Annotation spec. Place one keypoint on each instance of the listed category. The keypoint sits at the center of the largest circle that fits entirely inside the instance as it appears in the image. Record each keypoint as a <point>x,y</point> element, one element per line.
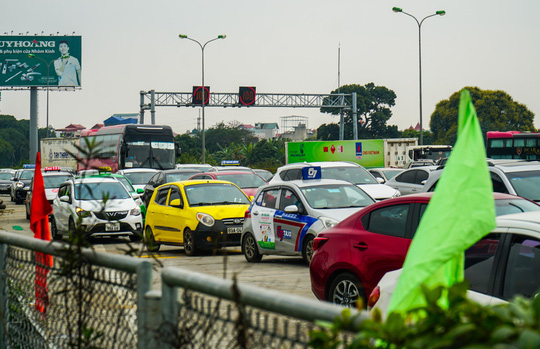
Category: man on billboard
<point>67,67</point>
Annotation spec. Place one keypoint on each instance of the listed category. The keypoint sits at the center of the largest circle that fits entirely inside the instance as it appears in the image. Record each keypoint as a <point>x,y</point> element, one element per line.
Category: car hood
<point>378,191</point>
<point>112,205</point>
<point>338,214</point>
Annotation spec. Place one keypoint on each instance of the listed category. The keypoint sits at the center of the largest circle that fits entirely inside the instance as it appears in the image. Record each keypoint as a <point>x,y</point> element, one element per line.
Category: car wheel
<point>151,243</point>
<point>71,225</point>
<point>347,290</point>
<point>189,243</point>
<point>250,249</point>
<point>307,249</point>
<point>135,237</point>
<point>55,235</point>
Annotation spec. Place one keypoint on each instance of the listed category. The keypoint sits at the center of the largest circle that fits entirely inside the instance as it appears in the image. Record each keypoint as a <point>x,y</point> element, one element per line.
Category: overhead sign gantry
<point>246,97</point>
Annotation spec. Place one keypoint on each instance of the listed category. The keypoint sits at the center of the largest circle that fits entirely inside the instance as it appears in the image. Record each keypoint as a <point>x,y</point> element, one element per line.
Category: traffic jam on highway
<point>350,228</point>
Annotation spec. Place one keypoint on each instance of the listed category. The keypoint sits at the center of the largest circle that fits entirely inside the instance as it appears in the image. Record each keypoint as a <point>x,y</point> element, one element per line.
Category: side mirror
<point>291,209</point>
<point>380,180</point>
<point>140,191</point>
<point>64,198</point>
<point>176,203</point>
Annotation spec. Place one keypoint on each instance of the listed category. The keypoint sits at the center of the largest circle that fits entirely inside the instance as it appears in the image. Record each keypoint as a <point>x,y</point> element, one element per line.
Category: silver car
<point>284,218</point>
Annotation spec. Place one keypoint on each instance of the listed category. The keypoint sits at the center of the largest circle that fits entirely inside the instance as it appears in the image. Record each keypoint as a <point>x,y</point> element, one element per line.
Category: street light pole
<point>438,13</point>
<point>48,65</point>
<point>202,46</point>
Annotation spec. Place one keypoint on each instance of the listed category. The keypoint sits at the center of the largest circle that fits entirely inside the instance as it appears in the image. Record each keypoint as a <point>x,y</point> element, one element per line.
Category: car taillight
<point>374,297</point>
<point>247,214</point>
<point>318,242</point>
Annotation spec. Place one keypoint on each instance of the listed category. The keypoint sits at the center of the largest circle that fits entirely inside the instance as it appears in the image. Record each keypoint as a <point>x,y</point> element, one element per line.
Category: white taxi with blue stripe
<point>285,217</point>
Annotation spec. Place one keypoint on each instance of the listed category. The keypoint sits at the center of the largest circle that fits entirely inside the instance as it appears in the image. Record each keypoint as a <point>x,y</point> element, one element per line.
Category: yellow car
<point>196,214</point>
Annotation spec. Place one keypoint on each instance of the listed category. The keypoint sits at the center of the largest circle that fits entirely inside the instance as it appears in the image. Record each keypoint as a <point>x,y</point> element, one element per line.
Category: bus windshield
<point>158,155</point>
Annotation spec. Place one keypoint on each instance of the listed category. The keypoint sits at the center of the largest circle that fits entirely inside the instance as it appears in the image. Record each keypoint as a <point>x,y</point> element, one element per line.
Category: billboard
<point>368,153</point>
<point>30,60</point>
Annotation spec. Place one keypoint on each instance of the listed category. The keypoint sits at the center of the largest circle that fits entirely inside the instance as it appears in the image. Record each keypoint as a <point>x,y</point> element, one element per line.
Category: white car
<point>411,181</point>
<point>503,264</point>
<point>284,218</point>
<point>343,170</point>
<point>138,177</point>
<point>82,198</point>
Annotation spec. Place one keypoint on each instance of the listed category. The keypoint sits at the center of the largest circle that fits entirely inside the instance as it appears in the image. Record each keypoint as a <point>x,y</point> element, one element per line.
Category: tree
<point>373,109</point>
<point>496,111</point>
<point>221,136</point>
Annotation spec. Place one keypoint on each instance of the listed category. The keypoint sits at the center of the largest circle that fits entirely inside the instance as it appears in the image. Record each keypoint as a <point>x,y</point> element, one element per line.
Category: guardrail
<point>114,305</point>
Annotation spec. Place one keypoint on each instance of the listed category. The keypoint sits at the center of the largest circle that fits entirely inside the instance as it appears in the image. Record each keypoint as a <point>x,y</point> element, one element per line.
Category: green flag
<point>461,211</point>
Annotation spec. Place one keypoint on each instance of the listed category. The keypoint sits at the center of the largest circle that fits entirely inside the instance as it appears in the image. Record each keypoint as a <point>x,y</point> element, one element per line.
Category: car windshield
<point>243,180</point>
<point>526,184</point>
<point>179,176</point>
<point>27,175</point>
<point>356,175</point>
<point>336,196</point>
<point>215,194</point>
<point>96,191</point>
<point>126,184</point>
<point>52,182</point>
<point>510,206</point>
<point>139,178</point>
<point>5,176</point>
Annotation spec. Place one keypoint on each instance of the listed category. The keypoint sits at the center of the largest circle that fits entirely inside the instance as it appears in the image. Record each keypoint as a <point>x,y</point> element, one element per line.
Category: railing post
<point>3,296</point>
<point>170,316</point>
<point>144,284</point>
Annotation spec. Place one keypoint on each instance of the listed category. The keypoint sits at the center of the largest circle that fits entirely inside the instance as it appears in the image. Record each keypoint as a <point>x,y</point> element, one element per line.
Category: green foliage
<point>461,324</point>
<point>373,109</point>
<point>496,111</point>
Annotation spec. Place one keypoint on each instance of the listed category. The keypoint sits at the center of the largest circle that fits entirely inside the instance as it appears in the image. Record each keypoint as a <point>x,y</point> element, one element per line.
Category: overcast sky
<point>279,46</point>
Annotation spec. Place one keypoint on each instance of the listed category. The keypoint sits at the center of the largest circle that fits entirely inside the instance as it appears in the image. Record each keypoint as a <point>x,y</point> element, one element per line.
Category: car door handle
<point>255,213</point>
<point>362,246</point>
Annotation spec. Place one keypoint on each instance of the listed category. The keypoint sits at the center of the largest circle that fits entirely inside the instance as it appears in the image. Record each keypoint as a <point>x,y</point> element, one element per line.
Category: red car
<point>350,258</point>
<point>248,181</point>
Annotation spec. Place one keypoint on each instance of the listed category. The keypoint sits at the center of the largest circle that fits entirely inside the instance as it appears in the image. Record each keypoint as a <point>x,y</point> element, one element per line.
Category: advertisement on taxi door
<point>264,231</point>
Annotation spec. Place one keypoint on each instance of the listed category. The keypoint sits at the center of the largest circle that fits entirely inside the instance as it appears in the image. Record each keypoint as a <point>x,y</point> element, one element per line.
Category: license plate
<point>234,230</point>
<point>112,226</point>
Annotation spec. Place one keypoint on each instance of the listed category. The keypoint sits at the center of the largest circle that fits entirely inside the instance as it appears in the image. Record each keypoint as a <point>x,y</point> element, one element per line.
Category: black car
<point>166,176</point>
<point>20,184</point>
<point>5,181</point>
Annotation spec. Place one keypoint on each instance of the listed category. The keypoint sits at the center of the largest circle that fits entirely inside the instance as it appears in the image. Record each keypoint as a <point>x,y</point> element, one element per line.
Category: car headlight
<point>396,194</point>
<point>135,212</point>
<point>81,213</point>
<point>205,219</point>
<point>328,222</point>
<point>26,188</point>
<point>19,184</point>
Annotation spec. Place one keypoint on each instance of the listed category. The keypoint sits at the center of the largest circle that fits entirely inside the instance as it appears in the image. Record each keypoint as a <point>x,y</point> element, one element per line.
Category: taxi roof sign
<point>52,168</point>
<point>312,172</point>
<point>230,162</point>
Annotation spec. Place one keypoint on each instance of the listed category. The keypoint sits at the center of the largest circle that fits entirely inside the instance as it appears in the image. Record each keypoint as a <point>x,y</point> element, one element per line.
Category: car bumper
<point>129,226</point>
<point>5,188</point>
<point>216,236</point>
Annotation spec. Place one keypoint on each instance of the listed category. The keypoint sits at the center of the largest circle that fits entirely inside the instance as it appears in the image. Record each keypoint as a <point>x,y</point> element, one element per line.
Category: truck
<point>428,152</point>
<point>55,152</point>
<point>369,153</point>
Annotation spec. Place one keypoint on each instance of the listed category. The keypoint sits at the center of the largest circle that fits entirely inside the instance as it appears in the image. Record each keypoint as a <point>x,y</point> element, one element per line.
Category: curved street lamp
<point>438,13</point>
<point>48,65</point>
<point>182,36</point>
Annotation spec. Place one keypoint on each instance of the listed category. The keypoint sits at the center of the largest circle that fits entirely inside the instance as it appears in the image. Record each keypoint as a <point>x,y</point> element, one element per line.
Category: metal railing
<point>119,309</point>
<point>98,303</point>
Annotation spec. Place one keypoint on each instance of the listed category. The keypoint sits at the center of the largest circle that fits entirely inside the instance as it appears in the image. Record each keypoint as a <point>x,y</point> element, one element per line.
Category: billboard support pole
<point>355,116</point>
<point>33,123</point>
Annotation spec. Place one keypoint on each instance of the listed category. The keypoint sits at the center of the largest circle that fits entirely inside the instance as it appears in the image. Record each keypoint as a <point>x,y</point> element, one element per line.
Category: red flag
<point>40,209</point>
